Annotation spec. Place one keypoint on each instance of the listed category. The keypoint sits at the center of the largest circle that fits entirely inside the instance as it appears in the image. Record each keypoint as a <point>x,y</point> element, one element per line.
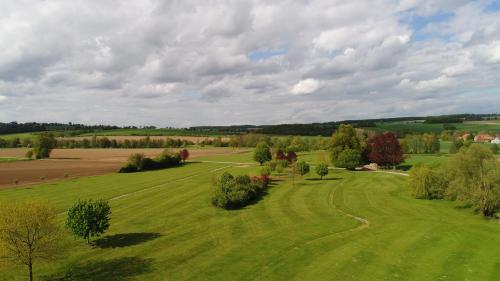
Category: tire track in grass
<point>160,185</point>
<point>364,223</point>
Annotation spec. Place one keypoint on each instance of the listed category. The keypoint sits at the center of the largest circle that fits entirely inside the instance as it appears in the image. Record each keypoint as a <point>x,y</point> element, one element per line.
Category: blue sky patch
<point>419,23</point>
<point>265,54</point>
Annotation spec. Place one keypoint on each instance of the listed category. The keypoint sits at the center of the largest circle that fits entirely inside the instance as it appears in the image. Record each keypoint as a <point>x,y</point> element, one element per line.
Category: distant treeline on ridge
<point>309,129</point>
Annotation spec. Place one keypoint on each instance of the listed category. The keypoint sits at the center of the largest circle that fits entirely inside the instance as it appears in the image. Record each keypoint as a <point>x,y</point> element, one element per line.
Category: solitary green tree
<point>262,153</point>
<point>302,167</point>
<point>349,159</point>
<point>89,218</point>
<point>29,232</point>
<point>43,145</point>
<point>322,170</point>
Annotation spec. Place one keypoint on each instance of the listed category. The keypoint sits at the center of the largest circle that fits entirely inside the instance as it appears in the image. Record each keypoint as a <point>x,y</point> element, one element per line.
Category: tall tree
<point>262,153</point>
<point>344,138</point>
<point>29,232</point>
<point>89,218</point>
<point>384,149</point>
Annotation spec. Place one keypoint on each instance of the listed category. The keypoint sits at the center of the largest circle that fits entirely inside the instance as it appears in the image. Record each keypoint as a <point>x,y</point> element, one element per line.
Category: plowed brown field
<point>72,163</point>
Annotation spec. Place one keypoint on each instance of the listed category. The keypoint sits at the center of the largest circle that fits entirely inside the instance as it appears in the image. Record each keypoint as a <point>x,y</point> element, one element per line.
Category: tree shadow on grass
<point>124,239</point>
<point>109,270</point>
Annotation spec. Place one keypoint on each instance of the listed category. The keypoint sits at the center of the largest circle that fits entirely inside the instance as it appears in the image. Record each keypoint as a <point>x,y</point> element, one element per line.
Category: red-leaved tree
<point>280,155</point>
<point>184,154</point>
<point>384,149</point>
<point>291,156</point>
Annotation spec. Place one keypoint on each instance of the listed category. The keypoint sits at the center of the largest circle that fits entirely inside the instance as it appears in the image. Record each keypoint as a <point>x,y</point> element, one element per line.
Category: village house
<point>483,138</point>
<point>496,140</point>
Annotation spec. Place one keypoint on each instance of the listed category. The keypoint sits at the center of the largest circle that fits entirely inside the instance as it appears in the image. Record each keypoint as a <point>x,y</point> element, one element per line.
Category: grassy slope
<point>300,233</point>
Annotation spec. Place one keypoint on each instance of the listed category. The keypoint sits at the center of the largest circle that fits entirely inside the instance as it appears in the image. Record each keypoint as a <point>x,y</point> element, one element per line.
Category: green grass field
<point>20,136</point>
<point>475,127</point>
<point>12,159</point>
<point>351,226</point>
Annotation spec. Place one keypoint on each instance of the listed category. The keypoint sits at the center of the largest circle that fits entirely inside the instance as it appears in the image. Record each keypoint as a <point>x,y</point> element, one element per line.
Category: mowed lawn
<point>351,226</point>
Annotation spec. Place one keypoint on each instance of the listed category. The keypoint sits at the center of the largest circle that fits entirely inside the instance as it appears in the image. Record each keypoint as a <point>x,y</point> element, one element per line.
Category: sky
<point>216,62</point>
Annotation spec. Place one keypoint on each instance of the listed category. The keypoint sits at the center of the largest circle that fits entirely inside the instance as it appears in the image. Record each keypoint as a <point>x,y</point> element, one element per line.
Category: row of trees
<point>104,142</point>
<point>282,161</point>
<point>471,176</point>
<point>138,162</point>
<point>421,143</point>
<point>30,232</point>
<point>351,148</point>
<point>290,143</point>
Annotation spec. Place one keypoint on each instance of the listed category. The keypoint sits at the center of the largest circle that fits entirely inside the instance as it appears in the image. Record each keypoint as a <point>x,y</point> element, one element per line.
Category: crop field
<point>349,226</point>
<point>151,132</point>
<point>72,163</point>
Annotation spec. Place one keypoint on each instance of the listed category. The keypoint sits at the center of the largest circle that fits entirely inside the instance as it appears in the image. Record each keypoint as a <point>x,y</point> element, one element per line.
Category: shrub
<point>184,155</point>
<point>135,160</point>
<point>148,164</point>
<point>266,170</point>
<point>168,159</point>
<point>29,154</point>
<point>262,181</point>
<point>427,183</point>
<point>233,193</point>
<point>128,168</point>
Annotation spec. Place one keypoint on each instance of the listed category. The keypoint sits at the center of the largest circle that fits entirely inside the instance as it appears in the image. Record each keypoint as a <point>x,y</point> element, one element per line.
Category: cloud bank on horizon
<point>216,62</point>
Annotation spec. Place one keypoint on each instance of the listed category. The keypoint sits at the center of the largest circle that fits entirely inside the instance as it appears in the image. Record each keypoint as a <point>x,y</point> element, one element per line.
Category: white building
<point>496,140</point>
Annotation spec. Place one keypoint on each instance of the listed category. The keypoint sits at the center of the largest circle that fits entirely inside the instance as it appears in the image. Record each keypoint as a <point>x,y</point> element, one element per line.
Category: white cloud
<point>158,55</point>
<point>2,98</point>
<point>306,86</point>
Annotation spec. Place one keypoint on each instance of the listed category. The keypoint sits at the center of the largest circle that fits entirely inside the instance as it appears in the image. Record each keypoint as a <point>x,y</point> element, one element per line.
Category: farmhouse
<point>483,138</point>
<point>496,140</point>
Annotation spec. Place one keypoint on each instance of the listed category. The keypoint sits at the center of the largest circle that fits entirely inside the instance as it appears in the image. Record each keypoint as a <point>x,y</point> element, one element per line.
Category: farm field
<point>76,163</point>
<point>350,226</point>
<point>420,127</point>
<point>151,132</point>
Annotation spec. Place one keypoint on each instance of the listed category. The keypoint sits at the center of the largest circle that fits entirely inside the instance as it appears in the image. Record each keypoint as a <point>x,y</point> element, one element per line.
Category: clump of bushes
<point>472,176</point>
<point>236,192</point>
<point>139,162</point>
